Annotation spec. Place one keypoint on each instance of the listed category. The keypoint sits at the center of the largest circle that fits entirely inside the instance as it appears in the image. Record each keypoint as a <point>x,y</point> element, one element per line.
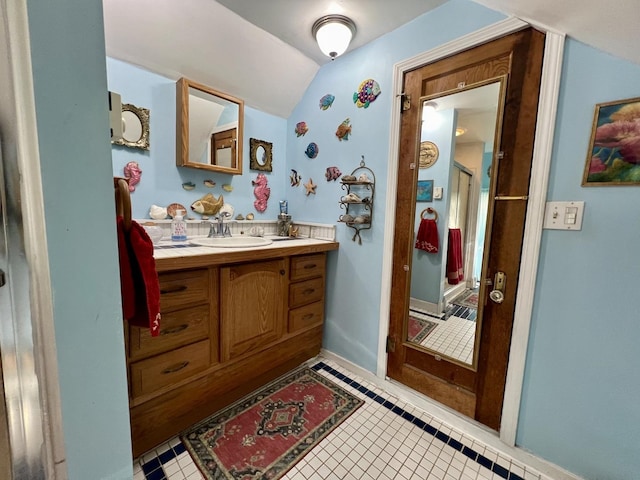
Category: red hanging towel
<point>139,280</point>
<point>455,273</point>
<point>427,237</point>
<point>127,288</point>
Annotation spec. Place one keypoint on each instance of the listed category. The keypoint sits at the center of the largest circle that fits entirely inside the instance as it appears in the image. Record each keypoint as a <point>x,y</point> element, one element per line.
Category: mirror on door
<point>450,220</point>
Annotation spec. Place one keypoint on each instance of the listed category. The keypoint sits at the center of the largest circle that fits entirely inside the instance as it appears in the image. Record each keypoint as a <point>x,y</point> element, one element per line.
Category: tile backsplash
<point>241,227</point>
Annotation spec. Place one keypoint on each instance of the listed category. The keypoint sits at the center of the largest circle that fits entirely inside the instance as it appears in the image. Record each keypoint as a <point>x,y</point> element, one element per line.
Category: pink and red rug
<point>263,436</point>
<point>468,298</point>
<point>419,329</point>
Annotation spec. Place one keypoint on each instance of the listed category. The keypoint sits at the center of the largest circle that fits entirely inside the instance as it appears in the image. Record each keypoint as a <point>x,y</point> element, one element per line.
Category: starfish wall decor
<point>311,187</point>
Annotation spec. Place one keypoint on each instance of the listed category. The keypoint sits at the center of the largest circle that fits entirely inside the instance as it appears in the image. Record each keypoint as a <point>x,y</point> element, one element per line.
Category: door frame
<point>543,147</point>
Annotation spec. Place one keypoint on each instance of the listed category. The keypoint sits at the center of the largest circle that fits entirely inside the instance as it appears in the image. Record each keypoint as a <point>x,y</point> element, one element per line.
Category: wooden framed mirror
<point>209,127</point>
<point>443,301</point>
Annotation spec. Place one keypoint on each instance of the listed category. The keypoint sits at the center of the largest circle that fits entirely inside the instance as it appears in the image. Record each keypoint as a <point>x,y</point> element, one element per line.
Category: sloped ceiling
<point>262,51</point>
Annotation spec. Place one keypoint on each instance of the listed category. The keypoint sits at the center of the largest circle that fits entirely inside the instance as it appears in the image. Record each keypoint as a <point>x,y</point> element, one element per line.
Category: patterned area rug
<point>468,298</point>
<point>419,329</point>
<point>264,435</point>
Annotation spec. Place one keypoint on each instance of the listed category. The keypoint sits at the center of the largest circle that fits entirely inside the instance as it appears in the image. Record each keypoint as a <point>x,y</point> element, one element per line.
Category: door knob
<point>497,294</point>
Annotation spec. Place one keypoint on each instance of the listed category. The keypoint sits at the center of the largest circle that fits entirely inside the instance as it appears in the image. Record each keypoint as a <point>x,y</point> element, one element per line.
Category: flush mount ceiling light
<point>333,34</point>
<point>429,107</point>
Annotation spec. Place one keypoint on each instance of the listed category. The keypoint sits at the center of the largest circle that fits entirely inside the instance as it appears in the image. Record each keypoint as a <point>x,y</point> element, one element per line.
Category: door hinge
<point>406,102</point>
<point>391,344</point>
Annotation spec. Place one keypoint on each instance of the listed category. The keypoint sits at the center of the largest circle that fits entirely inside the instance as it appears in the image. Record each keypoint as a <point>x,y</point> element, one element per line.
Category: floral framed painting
<point>614,150</point>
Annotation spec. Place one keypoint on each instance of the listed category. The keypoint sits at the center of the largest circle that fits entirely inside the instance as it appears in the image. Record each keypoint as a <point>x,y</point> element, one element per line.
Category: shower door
<point>31,443</point>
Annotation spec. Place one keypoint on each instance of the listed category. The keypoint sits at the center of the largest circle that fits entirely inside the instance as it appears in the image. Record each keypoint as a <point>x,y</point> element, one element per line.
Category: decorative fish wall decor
<point>344,130</point>
<point>326,101</point>
<point>208,205</point>
<point>332,173</point>
<point>367,93</point>
<point>312,150</point>
<point>301,129</point>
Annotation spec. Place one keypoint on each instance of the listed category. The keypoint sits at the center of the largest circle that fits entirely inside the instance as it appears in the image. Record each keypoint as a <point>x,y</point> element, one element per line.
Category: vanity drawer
<point>309,291</point>
<point>307,266</point>
<point>154,373</point>
<point>307,316</point>
<point>183,288</point>
<point>177,328</point>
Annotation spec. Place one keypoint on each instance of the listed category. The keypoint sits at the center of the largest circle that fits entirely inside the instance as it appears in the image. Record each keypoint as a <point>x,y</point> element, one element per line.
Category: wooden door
<point>252,306</point>
<point>477,392</point>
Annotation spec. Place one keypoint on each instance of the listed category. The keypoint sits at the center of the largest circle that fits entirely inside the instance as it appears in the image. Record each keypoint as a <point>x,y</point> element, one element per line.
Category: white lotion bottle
<point>178,227</point>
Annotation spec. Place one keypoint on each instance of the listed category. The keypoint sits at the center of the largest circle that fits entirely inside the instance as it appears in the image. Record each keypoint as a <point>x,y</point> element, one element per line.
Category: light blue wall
<point>67,47</point>
<point>580,407</point>
<point>579,402</point>
<point>428,269</point>
<point>353,294</point>
<point>162,180</point>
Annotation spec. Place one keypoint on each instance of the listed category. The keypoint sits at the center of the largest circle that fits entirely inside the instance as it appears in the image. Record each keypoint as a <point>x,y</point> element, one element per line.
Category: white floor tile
<point>373,444</point>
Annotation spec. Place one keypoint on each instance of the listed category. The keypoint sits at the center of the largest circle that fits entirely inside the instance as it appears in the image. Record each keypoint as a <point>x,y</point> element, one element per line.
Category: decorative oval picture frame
<point>429,154</point>
<point>264,163</point>
<point>135,131</point>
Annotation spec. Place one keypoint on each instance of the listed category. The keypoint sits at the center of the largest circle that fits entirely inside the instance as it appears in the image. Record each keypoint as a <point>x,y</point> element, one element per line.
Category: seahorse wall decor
<point>261,191</point>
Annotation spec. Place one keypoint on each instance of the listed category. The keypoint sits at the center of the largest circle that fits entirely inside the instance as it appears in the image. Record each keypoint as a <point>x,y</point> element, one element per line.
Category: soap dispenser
<point>178,227</point>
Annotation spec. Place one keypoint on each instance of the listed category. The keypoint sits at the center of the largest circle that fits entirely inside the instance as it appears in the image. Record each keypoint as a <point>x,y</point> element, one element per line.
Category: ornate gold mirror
<point>444,315</point>
<point>135,127</point>
<point>261,157</point>
<point>208,128</point>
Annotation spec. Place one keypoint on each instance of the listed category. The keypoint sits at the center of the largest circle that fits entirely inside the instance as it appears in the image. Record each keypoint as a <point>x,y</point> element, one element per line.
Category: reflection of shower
<point>459,212</point>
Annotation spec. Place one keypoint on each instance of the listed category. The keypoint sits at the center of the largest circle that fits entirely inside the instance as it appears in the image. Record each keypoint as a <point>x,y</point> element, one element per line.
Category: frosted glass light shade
<point>333,34</point>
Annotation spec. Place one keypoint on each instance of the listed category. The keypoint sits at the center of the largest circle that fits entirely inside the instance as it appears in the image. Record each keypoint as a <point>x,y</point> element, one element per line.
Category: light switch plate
<point>437,193</point>
<point>563,215</point>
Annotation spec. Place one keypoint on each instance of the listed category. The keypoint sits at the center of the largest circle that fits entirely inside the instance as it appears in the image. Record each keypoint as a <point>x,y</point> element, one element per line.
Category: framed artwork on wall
<point>614,149</point>
<point>425,191</point>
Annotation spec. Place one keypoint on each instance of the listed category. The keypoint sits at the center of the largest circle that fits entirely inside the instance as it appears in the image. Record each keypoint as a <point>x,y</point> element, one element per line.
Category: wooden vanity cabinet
<point>306,292</point>
<point>187,343</point>
<point>226,330</point>
<point>252,305</point>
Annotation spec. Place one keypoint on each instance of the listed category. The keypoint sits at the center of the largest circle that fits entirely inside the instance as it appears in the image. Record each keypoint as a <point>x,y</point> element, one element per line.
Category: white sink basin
<point>231,242</point>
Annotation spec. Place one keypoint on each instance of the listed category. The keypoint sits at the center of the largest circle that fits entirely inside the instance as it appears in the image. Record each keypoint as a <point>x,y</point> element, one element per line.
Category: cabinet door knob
<point>282,272</point>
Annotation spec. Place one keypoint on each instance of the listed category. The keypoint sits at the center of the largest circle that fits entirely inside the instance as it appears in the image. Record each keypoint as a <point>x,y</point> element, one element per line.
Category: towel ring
<point>430,210</point>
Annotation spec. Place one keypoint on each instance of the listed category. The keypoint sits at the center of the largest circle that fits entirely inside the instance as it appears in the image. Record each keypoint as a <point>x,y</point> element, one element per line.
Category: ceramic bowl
<point>155,233</point>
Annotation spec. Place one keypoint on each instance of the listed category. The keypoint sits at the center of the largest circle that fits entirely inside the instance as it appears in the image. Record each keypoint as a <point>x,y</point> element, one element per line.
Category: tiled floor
<point>454,336</point>
<point>385,439</point>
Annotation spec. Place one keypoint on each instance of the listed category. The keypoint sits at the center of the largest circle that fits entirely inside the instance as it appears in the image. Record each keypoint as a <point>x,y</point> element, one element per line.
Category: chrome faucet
<point>219,229</point>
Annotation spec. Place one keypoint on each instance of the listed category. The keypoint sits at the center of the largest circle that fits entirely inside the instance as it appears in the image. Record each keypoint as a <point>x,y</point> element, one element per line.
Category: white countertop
<point>168,249</point>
